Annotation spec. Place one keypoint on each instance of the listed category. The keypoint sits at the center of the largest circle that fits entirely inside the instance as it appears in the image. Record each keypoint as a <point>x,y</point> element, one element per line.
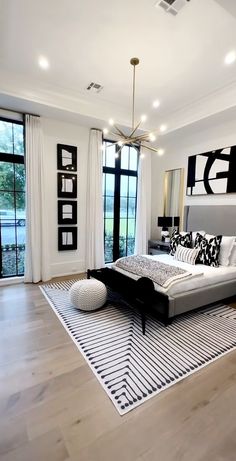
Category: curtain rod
<point>19,113</point>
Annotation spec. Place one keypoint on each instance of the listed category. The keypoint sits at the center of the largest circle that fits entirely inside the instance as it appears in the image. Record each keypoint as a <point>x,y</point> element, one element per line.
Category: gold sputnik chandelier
<point>134,137</point>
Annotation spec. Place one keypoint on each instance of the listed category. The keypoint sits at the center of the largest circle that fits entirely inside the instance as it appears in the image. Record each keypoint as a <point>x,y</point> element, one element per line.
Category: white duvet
<point>204,275</point>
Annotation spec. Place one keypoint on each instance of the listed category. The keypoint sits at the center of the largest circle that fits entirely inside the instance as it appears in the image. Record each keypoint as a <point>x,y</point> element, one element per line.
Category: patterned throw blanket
<point>162,274</point>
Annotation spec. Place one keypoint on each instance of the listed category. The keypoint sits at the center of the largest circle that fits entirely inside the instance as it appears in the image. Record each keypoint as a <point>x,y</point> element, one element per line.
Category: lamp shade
<point>164,221</point>
<point>176,221</point>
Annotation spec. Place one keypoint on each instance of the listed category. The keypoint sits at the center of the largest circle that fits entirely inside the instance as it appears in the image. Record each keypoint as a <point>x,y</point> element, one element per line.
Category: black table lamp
<point>176,222</point>
<point>164,222</point>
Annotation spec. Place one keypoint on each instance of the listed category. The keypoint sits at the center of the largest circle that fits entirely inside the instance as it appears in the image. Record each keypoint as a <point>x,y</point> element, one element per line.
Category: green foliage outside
<point>11,138</point>
<point>122,246</point>
<point>12,176</point>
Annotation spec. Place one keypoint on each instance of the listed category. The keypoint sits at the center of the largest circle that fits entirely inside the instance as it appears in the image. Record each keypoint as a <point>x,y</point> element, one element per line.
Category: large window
<point>12,198</point>
<point>119,194</point>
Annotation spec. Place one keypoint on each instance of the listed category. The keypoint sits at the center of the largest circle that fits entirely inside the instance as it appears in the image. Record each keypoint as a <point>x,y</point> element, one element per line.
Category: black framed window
<point>12,198</point>
<point>120,174</point>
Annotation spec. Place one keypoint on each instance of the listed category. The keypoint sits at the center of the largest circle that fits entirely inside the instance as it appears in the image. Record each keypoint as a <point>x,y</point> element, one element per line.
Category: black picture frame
<point>66,157</point>
<point>67,238</point>
<point>67,212</point>
<point>212,172</point>
<point>66,189</point>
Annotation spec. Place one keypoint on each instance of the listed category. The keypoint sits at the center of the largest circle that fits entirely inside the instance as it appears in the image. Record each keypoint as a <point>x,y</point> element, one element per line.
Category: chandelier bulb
<point>152,137</point>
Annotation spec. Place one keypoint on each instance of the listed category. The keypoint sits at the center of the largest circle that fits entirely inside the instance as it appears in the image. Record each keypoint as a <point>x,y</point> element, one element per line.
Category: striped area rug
<point>131,367</point>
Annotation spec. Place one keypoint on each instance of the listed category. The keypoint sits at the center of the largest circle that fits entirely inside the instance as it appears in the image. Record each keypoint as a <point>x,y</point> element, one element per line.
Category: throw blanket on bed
<point>162,274</point>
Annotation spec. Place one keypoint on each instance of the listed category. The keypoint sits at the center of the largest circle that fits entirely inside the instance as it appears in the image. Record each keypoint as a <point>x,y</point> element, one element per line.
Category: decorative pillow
<point>187,255</point>
<point>226,247</point>
<point>209,250</point>
<point>178,239</point>
<point>194,235</point>
<point>232,259</point>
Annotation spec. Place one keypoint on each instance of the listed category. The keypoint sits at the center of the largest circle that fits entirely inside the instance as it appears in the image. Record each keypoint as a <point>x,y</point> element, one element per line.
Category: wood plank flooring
<point>52,408</point>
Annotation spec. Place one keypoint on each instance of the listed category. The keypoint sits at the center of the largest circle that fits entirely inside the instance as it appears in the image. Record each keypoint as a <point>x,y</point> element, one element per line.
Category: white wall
<point>178,147</point>
<point>57,132</point>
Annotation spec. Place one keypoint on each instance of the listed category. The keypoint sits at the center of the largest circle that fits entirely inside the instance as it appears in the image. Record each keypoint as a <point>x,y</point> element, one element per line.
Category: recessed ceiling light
<point>156,103</point>
<point>163,128</point>
<point>160,152</point>
<point>105,131</point>
<point>43,62</point>
<point>230,57</point>
<point>143,118</point>
<point>111,122</point>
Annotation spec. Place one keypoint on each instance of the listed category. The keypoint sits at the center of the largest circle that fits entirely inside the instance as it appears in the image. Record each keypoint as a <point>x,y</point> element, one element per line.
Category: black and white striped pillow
<point>186,255</point>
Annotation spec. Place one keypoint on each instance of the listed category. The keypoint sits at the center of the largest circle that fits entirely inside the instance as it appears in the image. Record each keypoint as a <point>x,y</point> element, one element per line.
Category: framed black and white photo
<point>66,185</point>
<point>67,212</point>
<point>212,172</point>
<point>67,238</point>
<point>66,157</point>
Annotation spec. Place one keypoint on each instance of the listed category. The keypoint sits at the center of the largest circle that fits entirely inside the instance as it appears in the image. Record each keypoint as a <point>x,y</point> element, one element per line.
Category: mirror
<point>174,194</point>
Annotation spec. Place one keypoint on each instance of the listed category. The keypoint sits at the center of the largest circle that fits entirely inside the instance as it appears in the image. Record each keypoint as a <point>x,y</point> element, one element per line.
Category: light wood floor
<point>52,408</point>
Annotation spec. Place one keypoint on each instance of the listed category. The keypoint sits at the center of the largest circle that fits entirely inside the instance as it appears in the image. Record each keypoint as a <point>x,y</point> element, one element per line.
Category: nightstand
<point>157,247</point>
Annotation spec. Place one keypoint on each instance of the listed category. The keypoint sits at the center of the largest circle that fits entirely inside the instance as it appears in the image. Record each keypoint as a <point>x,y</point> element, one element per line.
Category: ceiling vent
<point>171,6</point>
<point>94,87</point>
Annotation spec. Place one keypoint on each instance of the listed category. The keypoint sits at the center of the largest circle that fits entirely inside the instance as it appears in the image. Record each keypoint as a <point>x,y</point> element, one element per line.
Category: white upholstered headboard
<point>213,219</point>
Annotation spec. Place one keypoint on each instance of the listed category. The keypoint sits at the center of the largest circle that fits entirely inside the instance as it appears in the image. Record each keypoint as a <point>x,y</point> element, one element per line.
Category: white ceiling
<point>181,58</point>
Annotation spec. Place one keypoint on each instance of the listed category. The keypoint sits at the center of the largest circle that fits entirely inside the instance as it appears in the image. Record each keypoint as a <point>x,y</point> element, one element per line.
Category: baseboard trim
<point>60,269</point>
<point>11,281</point>
<point>63,274</point>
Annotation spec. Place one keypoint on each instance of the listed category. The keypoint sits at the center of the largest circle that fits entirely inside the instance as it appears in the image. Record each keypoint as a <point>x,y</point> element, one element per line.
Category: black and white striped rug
<point>131,367</point>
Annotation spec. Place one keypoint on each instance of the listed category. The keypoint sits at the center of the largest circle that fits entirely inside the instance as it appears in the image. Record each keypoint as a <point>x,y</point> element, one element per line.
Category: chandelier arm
<point>149,148</point>
<point>147,134</point>
<point>141,137</point>
<point>120,132</point>
<point>135,129</point>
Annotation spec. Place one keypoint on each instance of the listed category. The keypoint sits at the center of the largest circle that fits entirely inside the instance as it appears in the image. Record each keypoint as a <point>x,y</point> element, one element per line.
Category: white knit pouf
<point>88,295</point>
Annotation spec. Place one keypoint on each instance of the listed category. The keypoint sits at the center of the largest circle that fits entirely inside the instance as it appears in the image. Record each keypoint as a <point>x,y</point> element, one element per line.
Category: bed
<point>210,286</point>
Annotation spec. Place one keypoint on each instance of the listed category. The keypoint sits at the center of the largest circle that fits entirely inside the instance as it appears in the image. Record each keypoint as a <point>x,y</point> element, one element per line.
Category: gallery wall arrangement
<point>67,190</point>
<point>212,172</point>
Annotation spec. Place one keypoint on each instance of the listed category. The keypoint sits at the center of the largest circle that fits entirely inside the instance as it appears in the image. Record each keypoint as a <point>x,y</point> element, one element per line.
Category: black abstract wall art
<point>66,185</point>
<point>67,212</point>
<point>212,172</point>
<point>66,157</point>
<point>67,238</point>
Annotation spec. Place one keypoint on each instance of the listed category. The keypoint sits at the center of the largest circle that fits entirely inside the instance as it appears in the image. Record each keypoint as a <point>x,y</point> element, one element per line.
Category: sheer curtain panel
<point>37,247</point>
<point>95,226</point>
<point>143,217</point>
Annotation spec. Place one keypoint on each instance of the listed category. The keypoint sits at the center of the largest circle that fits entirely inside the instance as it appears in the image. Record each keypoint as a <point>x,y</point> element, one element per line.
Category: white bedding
<point>207,275</point>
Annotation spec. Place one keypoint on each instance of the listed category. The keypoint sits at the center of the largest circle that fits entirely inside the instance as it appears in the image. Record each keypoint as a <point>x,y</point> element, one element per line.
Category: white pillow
<point>232,259</point>
<point>226,248</point>
<point>186,255</point>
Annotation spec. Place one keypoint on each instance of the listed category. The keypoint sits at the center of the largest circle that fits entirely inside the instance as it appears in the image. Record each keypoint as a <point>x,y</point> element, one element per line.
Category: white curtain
<point>37,247</point>
<point>143,217</point>
<point>95,226</point>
